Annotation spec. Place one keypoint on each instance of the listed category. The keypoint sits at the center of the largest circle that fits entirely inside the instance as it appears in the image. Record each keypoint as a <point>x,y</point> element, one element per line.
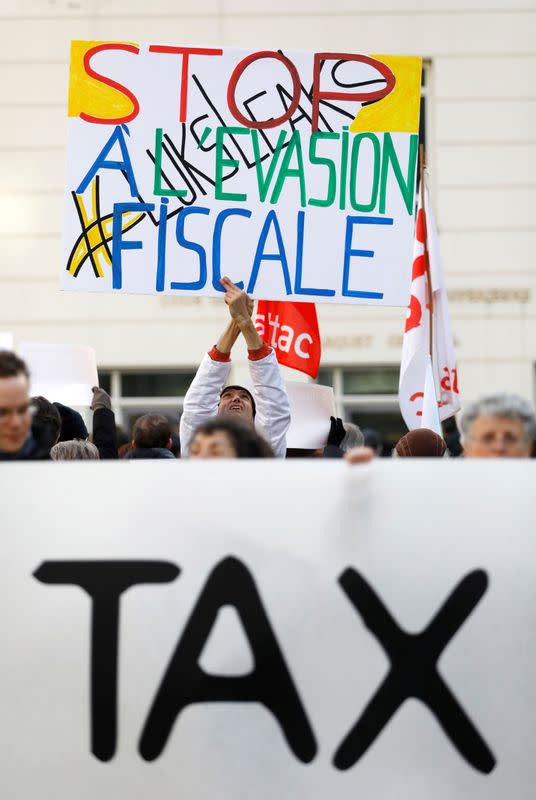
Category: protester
<point>354,437</point>
<point>225,437</point>
<point>72,424</point>
<point>373,439</point>
<point>342,437</point>
<point>46,422</point>
<point>104,430</point>
<point>104,433</point>
<point>17,440</point>
<point>498,426</point>
<point>266,409</point>
<point>452,437</point>
<point>74,450</point>
<point>151,438</point>
<point>420,443</point>
<point>124,449</point>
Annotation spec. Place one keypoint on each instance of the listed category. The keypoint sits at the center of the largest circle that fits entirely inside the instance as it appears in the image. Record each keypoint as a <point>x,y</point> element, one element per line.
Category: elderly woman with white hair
<point>74,450</point>
<point>498,426</point>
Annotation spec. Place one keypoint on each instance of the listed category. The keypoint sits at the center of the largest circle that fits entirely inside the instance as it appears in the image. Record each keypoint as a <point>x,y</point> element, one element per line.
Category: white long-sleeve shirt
<point>272,418</point>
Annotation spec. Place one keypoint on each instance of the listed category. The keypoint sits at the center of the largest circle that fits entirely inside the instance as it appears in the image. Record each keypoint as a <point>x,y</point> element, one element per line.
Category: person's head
<point>72,424</point>
<point>46,420</point>
<point>15,408</point>
<point>420,443</point>
<point>353,438</point>
<point>373,439</point>
<point>498,426</point>
<point>151,430</point>
<point>75,450</point>
<point>237,401</point>
<point>225,437</point>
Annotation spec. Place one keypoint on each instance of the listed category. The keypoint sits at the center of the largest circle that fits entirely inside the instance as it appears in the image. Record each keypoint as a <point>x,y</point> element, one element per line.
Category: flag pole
<point>422,158</point>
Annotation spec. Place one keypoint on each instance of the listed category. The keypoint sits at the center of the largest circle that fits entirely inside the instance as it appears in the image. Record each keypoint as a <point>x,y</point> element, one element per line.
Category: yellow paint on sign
<point>91,96</point>
<point>399,111</point>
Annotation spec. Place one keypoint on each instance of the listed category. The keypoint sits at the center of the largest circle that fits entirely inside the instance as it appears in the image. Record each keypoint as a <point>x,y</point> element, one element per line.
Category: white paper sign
<point>63,373</point>
<point>291,172</point>
<point>342,632</point>
<point>6,341</point>
<point>311,407</point>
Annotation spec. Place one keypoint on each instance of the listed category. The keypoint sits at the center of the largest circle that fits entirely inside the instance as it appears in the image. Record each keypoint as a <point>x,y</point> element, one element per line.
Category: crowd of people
<point>229,421</point>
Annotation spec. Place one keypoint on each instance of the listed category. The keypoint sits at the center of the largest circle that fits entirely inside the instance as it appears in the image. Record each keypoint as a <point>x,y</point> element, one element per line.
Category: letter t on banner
<point>292,330</point>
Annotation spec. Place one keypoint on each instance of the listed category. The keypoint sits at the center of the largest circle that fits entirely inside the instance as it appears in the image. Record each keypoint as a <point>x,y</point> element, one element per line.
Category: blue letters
<point>298,288</point>
<point>117,238</point>
<point>216,244</point>
<point>349,252</point>
<point>260,255</point>
<point>102,163</point>
<point>188,245</point>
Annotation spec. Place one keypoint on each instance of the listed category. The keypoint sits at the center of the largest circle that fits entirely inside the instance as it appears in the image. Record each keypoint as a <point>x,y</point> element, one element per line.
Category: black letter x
<point>413,670</point>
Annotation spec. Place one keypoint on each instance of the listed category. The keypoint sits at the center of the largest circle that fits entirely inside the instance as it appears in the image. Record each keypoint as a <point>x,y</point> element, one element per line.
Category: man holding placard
<point>267,409</point>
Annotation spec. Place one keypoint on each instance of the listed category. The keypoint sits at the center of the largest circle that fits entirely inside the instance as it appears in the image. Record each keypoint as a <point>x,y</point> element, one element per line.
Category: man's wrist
<point>219,355</point>
<point>260,352</point>
<point>244,323</point>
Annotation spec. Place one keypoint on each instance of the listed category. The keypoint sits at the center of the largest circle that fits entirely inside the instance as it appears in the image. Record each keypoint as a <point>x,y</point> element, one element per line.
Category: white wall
<point>482,118</point>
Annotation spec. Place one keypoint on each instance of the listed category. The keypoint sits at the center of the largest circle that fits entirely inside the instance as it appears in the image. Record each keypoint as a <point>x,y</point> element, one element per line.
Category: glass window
<point>387,423</point>
<point>105,381</point>
<point>155,384</point>
<point>325,377</point>
<point>371,380</point>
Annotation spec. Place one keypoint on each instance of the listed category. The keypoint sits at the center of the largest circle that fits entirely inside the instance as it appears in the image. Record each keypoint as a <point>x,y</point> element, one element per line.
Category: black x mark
<point>414,671</point>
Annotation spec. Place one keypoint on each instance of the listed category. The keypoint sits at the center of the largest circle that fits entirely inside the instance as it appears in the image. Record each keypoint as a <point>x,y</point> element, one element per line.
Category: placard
<point>292,173</point>
<point>341,631</point>
<point>63,373</point>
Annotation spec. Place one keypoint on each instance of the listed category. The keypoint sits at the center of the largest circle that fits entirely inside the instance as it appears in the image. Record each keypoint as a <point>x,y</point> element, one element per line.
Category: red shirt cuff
<point>217,355</point>
<point>260,352</point>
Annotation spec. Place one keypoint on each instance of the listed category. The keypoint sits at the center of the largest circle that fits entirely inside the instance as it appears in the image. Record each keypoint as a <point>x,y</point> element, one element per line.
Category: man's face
<point>212,445</point>
<point>15,413</point>
<point>237,401</point>
<point>496,437</point>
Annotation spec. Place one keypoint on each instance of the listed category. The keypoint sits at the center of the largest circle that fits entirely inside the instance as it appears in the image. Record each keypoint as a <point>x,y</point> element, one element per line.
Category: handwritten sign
<point>293,173</point>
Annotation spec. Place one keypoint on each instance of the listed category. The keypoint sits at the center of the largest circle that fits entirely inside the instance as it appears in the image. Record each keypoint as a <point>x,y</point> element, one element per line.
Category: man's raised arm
<point>203,396</point>
<point>273,410</point>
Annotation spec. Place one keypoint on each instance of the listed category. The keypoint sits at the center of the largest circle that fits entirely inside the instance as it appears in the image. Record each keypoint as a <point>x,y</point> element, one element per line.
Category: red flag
<point>292,330</point>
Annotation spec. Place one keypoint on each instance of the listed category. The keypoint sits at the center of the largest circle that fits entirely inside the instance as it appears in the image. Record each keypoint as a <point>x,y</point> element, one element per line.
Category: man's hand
<point>240,305</point>
<point>241,309</point>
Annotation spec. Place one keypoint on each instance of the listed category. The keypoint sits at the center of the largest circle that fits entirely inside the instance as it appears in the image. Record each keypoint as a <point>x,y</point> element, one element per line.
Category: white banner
<point>292,173</point>
<point>301,630</point>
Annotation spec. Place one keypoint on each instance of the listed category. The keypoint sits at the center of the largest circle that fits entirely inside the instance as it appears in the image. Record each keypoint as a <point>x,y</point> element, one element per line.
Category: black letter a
<point>270,682</point>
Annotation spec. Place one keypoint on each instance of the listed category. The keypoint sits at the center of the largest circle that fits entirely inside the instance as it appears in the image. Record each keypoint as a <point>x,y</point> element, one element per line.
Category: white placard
<point>311,407</point>
<point>63,373</point>
<point>6,340</point>
<point>326,568</point>
<point>301,194</point>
